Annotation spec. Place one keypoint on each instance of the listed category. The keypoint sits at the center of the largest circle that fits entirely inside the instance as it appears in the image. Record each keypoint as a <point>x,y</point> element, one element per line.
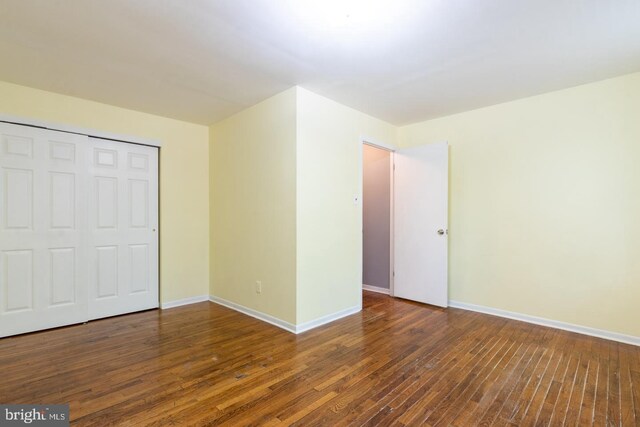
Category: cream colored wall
<point>184,170</point>
<point>329,238</point>
<point>253,205</point>
<point>283,176</point>
<point>545,204</point>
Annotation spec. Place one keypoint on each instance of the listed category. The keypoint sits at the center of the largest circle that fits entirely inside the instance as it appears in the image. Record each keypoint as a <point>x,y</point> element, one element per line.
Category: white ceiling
<point>399,60</point>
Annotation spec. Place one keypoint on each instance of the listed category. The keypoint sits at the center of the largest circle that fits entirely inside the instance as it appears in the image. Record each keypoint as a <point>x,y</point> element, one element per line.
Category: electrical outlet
<point>258,287</point>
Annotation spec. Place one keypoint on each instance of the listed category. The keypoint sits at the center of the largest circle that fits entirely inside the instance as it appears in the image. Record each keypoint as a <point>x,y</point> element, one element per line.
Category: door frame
<point>391,149</point>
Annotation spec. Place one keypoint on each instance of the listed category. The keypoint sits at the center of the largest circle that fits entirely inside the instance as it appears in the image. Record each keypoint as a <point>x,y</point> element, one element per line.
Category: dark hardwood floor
<point>396,363</point>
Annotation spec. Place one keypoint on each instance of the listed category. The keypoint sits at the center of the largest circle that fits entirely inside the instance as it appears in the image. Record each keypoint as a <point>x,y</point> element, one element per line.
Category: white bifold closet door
<point>123,221</point>
<point>42,219</point>
<point>78,221</point>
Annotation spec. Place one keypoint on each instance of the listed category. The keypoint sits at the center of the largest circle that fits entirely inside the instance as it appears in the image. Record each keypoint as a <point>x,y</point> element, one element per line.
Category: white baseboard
<point>254,313</point>
<point>613,336</point>
<point>303,327</point>
<point>184,301</point>
<point>376,289</point>
<point>290,327</point>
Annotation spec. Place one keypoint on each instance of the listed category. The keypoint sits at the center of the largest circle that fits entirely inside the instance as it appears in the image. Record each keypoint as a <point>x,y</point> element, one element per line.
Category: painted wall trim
<point>365,140</point>
<point>376,289</point>
<point>290,327</point>
<point>380,144</point>
<point>184,301</point>
<point>599,333</point>
<point>78,130</point>
<point>304,327</point>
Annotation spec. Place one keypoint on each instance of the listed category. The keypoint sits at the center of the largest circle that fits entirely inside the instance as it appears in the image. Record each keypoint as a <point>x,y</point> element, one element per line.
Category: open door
<point>421,188</point>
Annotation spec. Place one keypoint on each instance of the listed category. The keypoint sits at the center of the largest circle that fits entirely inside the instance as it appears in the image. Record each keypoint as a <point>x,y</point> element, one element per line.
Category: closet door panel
<point>42,223</point>
<point>123,223</point>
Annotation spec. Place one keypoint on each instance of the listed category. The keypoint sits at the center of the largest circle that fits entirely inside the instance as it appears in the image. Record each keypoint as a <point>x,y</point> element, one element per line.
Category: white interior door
<point>123,224</point>
<point>42,221</point>
<point>420,223</point>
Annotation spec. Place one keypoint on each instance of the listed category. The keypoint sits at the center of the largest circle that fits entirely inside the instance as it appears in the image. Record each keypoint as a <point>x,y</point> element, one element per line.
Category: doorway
<point>377,194</point>
<point>405,221</point>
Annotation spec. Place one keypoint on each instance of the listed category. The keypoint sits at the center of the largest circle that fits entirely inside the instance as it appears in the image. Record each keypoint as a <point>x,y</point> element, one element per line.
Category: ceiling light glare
<point>346,16</point>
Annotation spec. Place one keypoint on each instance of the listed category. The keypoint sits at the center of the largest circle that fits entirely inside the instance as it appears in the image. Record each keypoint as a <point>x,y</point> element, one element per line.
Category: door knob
<point>441,232</point>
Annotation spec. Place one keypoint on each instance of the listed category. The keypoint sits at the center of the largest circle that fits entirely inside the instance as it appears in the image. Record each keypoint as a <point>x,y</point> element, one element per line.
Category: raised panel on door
<point>139,280</point>
<point>14,144</point>
<point>106,272</point>
<point>62,280</point>
<point>41,229</point>
<point>62,196</point>
<point>18,199</point>
<point>106,202</point>
<point>138,203</point>
<point>18,280</point>
<point>123,222</point>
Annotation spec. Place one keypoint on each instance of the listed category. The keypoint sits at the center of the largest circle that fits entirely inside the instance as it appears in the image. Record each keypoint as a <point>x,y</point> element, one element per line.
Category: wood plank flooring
<point>395,363</point>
